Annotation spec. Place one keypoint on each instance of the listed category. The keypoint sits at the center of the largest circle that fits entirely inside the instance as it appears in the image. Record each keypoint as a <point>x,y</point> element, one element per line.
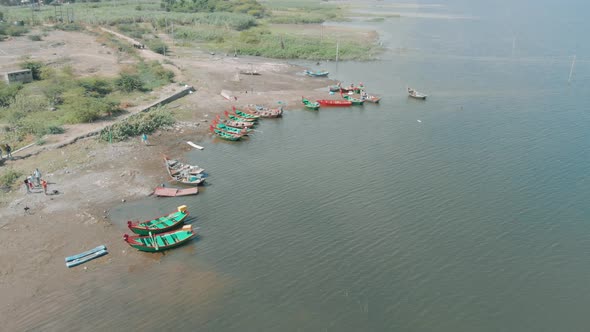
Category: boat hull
<point>341,103</point>
<point>138,227</point>
<point>161,242</point>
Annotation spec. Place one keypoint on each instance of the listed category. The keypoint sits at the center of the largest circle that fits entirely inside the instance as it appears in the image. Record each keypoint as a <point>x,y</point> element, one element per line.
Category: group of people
<point>35,180</point>
<point>8,149</point>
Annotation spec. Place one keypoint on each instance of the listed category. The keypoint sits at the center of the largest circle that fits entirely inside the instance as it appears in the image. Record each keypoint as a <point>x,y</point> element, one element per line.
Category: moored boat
<point>234,123</point>
<point>238,118</point>
<point>225,135</point>
<point>174,192</point>
<point>265,112</point>
<point>310,105</point>
<point>245,114</point>
<point>329,102</point>
<point>163,241</point>
<point>229,129</point>
<point>183,173</point>
<point>415,94</point>
<point>354,101</point>
<point>321,73</point>
<point>161,224</point>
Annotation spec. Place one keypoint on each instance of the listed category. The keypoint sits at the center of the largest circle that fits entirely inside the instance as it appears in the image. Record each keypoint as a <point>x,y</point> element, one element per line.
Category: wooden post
<point>337,50</point>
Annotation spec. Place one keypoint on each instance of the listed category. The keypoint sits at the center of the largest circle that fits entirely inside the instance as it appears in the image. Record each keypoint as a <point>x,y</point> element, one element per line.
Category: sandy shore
<point>92,176</point>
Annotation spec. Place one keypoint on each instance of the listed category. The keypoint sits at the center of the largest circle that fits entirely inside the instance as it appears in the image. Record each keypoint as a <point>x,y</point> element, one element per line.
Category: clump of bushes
<point>35,37</point>
<point>157,46</point>
<point>9,177</point>
<point>135,125</point>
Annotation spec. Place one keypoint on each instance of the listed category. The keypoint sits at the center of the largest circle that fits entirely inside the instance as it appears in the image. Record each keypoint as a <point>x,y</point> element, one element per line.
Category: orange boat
<point>329,102</point>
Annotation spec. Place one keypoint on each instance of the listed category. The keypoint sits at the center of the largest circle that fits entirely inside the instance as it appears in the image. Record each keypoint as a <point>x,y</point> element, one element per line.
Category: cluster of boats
<point>191,175</point>
<point>240,123</point>
<point>353,95</point>
<point>161,233</point>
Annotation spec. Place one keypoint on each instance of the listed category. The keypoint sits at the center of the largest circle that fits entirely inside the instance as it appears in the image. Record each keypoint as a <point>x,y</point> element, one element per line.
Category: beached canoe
<point>234,123</point>
<point>415,94</point>
<point>161,224</point>
<point>310,105</point>
<point>86,258</point>
<point>321,73</point>
<point>245,114</point>
<point>236,117</point>
<point>329,102</point>
<point>229,129</point>
<point>184,173</point>
<point>174,192</point>
<point>162,241</point>
<point>85,253</point>
<point>354,101</point>
<point>265,112</point>
<point>225,135</point>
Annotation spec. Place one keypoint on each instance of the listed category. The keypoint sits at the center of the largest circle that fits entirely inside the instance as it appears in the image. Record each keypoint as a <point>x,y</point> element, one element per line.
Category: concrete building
<point>18,76</point>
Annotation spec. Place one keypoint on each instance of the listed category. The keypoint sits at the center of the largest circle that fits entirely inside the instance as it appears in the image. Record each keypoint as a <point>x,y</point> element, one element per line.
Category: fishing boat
<point>245,114</point>
<point>321,73</point>
<point>310,105</point>
<point>334,88</point>
<point>163,241</point>
<point>232,130</point>
<point>225,135</point>
<point>161,224</point>
<point>372,99</point>
<point>183,173</point>
<point>354,101</point>
<point>174,192</point>
<point>236,117</point>
<point>265,112</point>
<point>329,102</point>
<point>415,94</point>
<point>234,123</point>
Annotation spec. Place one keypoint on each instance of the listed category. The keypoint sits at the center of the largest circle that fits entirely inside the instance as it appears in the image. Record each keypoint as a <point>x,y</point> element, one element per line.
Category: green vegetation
<point>138,124</point>
<point>35,67</point>
<point>58,97</point>
<point>9,177</point>
<point>250,7</point>
<point>35,37</point>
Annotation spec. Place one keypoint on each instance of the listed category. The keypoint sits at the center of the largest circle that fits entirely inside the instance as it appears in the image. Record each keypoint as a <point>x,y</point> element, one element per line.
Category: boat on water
<point>415,94</point>
<point>246,115</point>
<point>163,241</point>
<point>320,73</point>
<point>229,129</point>
<point>183,173</point>
<point>310,105</point>
<point>174,192</point>
<point>234,123</point>
<point>330,102</point>
<point>161,224</point>
<point>236,117</point>
<point>354,101</point>
<point>225,135</point>
<point>265,112</point>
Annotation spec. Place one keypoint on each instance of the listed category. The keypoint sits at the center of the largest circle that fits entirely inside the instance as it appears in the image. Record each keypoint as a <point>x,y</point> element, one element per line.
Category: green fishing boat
<point>225,135</point>
<point>229,129</point>
<point>310,105</point>
<point>161,242</point>
<point>355,101</point>
<point>159,225</point>
<point>245,115</point>
<point>236,117</point>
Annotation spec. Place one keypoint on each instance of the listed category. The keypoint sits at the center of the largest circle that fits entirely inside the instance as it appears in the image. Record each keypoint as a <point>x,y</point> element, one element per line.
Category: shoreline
<point>92,177</point>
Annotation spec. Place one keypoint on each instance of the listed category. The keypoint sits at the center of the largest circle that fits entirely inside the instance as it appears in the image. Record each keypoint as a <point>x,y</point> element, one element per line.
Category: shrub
<point>96,86</point>
<point>8,92</point>
<point>158,46</point>
<point>35,67</point>
<point>138,124</point>
<point>9,177</point>
<point>35,37</point>
<point>128,82</point>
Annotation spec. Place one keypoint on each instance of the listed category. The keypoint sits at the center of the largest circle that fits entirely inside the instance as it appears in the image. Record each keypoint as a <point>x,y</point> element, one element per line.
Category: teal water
<point>474,218</point>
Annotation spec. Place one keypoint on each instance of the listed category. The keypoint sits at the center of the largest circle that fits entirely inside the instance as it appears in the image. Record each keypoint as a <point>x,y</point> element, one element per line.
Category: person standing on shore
<point>37,176</point>
<point>144,139</point>
<point>8,152</point>
<point>30,181</point>
<point>44,184</point>
<point>27,185</point>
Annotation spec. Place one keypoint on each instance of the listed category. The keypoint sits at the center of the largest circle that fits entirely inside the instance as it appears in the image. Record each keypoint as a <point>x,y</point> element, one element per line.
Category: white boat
<point>415,94</point>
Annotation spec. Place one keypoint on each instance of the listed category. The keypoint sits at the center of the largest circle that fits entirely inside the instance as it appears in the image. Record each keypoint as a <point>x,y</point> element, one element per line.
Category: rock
<point>123,200</point>
<point>85,268</point>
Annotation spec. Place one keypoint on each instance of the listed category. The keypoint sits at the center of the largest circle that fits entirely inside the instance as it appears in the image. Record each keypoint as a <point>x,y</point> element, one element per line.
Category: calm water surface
<point>366,219</point>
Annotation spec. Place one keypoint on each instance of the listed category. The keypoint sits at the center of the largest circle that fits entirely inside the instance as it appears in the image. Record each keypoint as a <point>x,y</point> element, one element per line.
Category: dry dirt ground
<point>91,176</point>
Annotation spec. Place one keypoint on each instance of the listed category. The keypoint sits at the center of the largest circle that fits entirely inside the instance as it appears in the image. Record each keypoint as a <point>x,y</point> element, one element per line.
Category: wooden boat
<point>85,253</point>
<point>161,224</point>
<point>236,117</point>
<point>174,192</point>
<point>231,130</point>
<point>329,102</point>
<point>334,88</point>
<point>225,135</point>
<point>185,174</point>
<point>354,101</point>
<point>86,258</point>
<point>162,241</point>
<point>371,99</point>
<point>249,72</point>
<point>246,115</point>
<point>265,112</point>
<point>233,123</point>
<point>322,73</point>
<point>415,94</point>
<point>310,105</point>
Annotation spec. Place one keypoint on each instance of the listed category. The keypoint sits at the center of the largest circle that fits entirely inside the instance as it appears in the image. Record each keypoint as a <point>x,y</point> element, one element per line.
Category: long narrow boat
<point>161,224</point>
<point>161,242</point>
<point>329,102</point>
<point>321,73</point>
<point>225,135</point>
<point>372,99</point>
<point>245,114</point>
<point>415,94</point>
<point>174,192</point>
<point>85,253</point>
<point>86,258</point>
<point>191,175</point>
<point>234,123</point>
<point>237,117</point>
<point>229,129</point>
<point>264,112</point>
<point>310,105</point>
<point>354,101</point>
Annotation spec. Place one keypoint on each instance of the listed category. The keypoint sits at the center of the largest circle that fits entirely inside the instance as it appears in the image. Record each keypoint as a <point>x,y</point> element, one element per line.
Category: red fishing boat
<point>329,102</point>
